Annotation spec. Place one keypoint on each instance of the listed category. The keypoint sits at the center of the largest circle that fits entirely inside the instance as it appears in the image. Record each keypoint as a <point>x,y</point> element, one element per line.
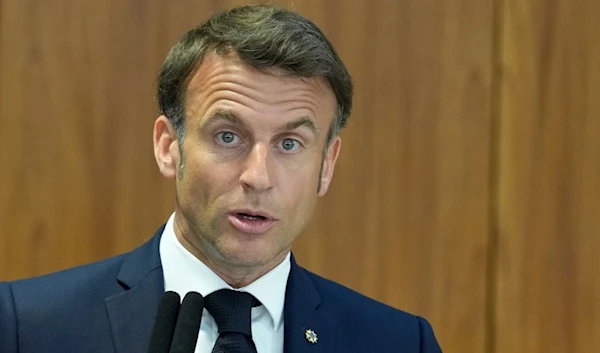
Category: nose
<point>256,174</point>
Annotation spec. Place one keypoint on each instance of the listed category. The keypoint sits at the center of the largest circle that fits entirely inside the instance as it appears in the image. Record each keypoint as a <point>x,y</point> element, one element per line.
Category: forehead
<point>227,78</point>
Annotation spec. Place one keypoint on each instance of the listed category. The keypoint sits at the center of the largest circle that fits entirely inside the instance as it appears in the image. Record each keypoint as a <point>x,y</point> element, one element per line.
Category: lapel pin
<point>311,336</point>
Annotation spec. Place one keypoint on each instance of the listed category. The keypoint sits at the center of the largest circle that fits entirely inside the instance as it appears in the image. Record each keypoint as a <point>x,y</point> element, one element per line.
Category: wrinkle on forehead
<point>220,77</point>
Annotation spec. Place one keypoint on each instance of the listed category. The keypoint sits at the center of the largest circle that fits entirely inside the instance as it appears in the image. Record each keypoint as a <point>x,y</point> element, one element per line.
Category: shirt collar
<point>183,273</point>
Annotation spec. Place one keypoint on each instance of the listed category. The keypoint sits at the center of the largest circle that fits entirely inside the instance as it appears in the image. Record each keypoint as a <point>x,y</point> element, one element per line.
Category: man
<point>252,103</point>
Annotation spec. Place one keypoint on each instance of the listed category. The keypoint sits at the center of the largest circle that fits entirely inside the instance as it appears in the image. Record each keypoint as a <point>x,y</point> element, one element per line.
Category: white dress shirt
<point>183,273</point>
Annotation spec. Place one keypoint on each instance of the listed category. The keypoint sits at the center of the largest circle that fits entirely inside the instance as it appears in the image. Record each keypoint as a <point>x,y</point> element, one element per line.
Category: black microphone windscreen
<point>188,324</point>
<point>164,324</point>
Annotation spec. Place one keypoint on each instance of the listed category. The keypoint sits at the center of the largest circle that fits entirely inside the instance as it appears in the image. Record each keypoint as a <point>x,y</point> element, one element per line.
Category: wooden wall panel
<point>549,182</point>
<point>78,180</point>
<point>406,220</point>
<point>77,105</point>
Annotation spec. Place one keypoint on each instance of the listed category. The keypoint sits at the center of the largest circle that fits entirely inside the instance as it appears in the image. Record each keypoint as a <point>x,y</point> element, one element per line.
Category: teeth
<point>250,217</point>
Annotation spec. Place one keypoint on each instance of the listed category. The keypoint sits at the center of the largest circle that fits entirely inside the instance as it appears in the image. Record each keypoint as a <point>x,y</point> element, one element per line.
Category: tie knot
<point>231,310</point>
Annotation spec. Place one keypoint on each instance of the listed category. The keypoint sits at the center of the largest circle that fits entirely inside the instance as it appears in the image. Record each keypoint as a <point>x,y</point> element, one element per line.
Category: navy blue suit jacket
<point>109,306</point>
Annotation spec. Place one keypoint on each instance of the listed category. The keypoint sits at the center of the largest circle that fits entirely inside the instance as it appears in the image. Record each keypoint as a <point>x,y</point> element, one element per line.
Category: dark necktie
<point>232,313</point>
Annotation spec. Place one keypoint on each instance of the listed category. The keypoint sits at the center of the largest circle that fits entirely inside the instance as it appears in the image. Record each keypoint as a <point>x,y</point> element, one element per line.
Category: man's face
<point>249,167</point>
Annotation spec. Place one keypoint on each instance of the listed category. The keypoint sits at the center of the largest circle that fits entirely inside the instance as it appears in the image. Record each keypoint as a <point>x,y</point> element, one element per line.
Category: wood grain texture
<point>79,181</point>
<point>406,219</point>
<point>549,184</point>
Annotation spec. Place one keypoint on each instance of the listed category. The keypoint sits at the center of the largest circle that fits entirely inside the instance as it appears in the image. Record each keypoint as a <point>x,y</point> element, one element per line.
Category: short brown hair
<point>263,37</point>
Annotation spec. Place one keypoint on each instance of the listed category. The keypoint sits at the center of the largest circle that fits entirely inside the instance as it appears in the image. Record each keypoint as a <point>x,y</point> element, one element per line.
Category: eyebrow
<point>302,121</point>
<point>223,115</point>
<point>234,119</point>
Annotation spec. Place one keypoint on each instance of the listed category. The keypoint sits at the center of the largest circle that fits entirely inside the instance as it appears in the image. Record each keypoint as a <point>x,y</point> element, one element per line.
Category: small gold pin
<point>311,336</point>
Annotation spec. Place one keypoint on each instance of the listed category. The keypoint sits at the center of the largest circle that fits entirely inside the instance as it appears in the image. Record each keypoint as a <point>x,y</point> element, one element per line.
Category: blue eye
<point>227,138</point>
<point>289,144</point>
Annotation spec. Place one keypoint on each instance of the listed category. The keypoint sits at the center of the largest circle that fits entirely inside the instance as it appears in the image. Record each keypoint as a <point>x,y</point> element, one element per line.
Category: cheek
<point>199,176</point>
<point>206,178</point>
<point>299,185</point>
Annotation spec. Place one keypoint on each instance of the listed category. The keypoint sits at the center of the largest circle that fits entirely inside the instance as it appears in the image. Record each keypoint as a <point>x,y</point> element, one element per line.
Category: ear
<point>331,156</point>
<point>166,148</point>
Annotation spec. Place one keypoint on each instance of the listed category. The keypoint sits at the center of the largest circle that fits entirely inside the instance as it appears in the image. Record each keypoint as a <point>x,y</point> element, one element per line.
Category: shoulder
<point>66,296</point>
<point>338,297</point>
<point>53,308</point>
<point>97,277</point>
<point>365,320</point>
<point>95,280</point>
<point>69,309</point>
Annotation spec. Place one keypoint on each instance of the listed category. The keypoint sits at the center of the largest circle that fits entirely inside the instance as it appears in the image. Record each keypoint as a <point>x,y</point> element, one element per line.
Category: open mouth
<point>251,217</point>
<point>251,223</point>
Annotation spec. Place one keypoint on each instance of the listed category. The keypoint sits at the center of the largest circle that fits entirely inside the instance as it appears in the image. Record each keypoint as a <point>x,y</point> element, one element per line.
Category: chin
<point>245,259</point>
<point>241,250</point>
<point>245,255</point>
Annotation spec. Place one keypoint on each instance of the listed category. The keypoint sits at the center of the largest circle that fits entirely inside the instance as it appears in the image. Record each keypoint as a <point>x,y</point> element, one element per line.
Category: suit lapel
<point>131,313</point>
<point>301,314</point>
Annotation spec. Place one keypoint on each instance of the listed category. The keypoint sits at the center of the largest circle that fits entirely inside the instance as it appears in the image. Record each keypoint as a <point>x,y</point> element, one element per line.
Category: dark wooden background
<point>468,187</point>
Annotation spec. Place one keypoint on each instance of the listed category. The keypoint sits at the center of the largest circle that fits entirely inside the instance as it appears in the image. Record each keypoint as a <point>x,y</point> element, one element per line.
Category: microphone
<point>188,324</point>
<point>164,324</point>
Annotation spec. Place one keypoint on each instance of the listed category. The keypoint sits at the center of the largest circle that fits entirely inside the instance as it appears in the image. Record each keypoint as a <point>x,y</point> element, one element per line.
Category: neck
<point>235,276</point>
